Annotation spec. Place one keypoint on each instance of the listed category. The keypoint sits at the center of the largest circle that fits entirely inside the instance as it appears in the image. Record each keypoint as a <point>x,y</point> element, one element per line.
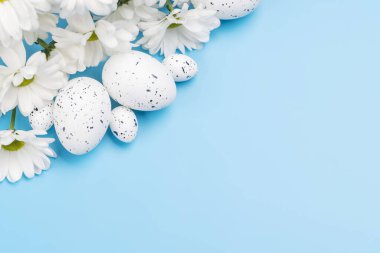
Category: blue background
<point>274,147</point>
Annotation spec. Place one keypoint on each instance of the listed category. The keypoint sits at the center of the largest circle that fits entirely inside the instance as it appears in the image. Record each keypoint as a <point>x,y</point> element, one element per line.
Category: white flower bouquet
<point>92,31</point>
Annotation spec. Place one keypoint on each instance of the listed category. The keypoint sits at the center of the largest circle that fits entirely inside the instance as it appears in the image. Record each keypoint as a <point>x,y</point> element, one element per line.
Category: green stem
<point>169,6</point>
<point>47,47</point>
<point>121,2</point>
<point>13,119</point>
<point>43,43</point>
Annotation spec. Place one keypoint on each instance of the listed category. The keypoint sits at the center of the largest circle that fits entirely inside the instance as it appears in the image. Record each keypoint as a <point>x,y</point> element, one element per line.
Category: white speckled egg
<point>231,9</point>
<point>181,66</point>
<point>124,124</point>
<point>82,112</point>
<point>138,81</point>
<point>42,118</point>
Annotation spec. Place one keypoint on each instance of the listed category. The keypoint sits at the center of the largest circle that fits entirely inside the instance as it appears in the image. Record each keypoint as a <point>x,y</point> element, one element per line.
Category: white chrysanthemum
<point>21,152</point>
<point>31,84</point>
<point>47,22</point>
<point>182,29</point>
<point>180,3</point>
<point>42,5</point>
<point>70,46</point>
<point>98,7</point>
<point>16,16</point>
<point>134,11</point>
<point>89,43</point>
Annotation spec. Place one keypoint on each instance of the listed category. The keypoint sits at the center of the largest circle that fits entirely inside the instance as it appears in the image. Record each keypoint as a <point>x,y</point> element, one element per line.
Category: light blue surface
<point>274,147</point>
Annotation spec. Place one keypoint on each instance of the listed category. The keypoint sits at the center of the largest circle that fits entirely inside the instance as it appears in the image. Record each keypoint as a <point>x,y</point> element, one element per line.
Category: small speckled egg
<point>138,81</point>
<point>42,118</point>
<point>82,112</point>
<point>181,66</point>
<point>231,9</point>
<point>124,124</point>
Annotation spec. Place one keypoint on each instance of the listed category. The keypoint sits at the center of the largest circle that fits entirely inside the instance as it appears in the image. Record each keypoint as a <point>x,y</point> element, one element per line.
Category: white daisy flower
<point>42,5</point>
<point>21,152</point>
<point>147,9</point>
<point>17,16</point>
<point>180,3</point>
<point>47,22</point>
<point>97,7</point>
<point>136,10</point>
<point>70,46</point>
<point>182,29</point>
<point>31,84</point>
<point>89,42</point>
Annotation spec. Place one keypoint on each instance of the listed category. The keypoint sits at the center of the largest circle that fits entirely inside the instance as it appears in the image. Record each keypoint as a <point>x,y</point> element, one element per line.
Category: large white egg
<point>124,124</point>
<point>181,66</point>
<point>231,9</point>
<point>138,81</point>
<point>42,118</point>
<point>82,113</point>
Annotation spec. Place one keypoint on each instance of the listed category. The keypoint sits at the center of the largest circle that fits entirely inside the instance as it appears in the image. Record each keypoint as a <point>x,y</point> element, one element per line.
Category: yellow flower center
<point>93,36</point>
<point>14,146</point>
<point>172,26</point>
<point>26,82</point>
<point>2,1</point>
